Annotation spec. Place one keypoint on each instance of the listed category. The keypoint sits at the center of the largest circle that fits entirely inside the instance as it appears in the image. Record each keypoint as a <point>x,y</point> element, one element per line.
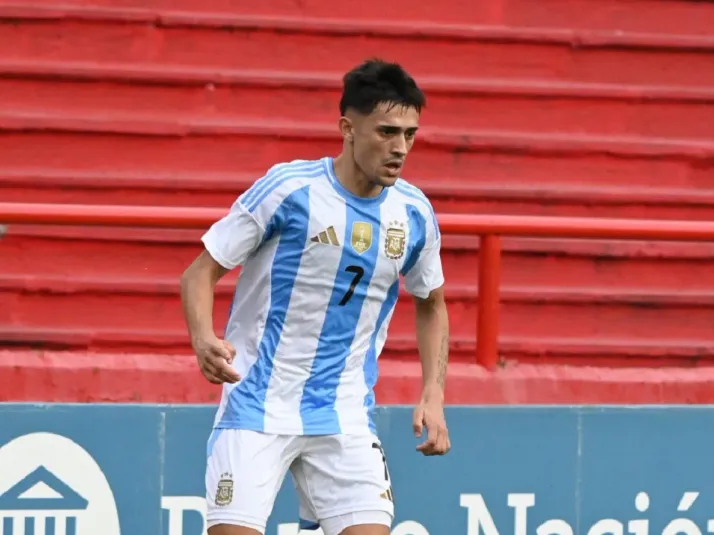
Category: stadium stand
<point>597,108</point>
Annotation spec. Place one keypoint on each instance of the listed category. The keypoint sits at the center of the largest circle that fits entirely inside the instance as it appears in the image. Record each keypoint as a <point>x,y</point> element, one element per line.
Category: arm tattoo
<point>443,359</point>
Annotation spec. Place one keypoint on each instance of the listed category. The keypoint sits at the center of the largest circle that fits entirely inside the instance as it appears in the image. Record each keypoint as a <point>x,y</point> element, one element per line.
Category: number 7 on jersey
<point>358,274</point>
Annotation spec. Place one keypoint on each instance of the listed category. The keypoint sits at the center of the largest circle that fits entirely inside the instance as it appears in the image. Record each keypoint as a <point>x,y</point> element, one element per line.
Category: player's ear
<point>346,128</point>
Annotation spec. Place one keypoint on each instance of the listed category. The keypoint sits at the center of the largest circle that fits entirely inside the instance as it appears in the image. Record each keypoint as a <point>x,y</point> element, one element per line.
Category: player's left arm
<point>432,323</point>
<point>425,281</point>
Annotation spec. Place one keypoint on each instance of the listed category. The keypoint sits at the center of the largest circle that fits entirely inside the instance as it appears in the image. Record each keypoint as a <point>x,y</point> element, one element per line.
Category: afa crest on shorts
<point>361,236</point>
<point>396,241</point>
<point>224,492</point>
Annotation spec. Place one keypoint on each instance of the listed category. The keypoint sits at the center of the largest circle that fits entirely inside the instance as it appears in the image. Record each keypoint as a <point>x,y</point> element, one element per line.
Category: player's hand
<point>214,359</point>
<point>429,413</point>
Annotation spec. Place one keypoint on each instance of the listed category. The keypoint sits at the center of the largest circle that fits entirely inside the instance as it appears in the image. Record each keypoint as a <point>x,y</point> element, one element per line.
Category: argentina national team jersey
<point>318,285</point>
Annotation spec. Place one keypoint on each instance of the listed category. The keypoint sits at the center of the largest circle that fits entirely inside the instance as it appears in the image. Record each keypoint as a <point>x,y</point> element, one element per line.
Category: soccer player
<point>322,245</point>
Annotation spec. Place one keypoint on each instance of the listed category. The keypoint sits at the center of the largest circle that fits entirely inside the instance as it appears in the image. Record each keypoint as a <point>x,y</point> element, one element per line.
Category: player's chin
<point>386,181</point>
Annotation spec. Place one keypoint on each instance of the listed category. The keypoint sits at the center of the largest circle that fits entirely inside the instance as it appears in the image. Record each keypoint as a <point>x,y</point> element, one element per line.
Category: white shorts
<point>341,480</point>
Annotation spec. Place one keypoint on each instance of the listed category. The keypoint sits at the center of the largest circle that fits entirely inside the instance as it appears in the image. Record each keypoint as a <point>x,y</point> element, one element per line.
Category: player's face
<point>382,141</point>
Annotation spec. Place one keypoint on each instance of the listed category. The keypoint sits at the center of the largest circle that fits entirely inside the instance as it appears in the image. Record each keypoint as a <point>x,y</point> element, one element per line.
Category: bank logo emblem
<point>51,485</point>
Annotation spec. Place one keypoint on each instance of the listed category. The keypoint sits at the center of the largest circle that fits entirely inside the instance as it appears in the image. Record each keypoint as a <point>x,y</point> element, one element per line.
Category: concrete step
<point>126,252</point>
<point>650,16</point>
<point>72,142</point>
<point>471,103</point>
<point>88,377</point>
<point>606,352</point>
<point>534,314</point>
<point>43,185</point>
<point>185,40</point>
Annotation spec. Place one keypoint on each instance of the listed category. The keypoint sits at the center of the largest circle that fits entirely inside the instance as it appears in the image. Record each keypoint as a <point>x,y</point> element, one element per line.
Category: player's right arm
<point>198,285</point>
<point>228,243</point>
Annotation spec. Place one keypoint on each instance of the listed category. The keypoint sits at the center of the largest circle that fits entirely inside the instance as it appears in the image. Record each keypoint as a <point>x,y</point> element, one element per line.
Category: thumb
<point>417,424</point>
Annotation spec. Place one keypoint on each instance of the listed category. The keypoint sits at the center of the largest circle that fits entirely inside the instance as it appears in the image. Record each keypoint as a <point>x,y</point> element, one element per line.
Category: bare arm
<point>198,285</point>
<point>432,323</point>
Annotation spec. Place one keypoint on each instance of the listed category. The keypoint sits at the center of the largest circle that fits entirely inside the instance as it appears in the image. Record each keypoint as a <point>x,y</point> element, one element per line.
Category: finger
<point>447,441</point>
<point>220,358</point>
<point>230,379</point>
<point>207,366</point>
<point>213,379</point>
<point>231,350</point>
<point>221,351</point>
<point>428,446</point>
<point>433,436</point>
<point>439,447</point>
<point>427,441</point>
<point>226,370</point>
<point>443,445</point>
<point>210,374</point>
<point>212,371</point>
<point>418,422</point>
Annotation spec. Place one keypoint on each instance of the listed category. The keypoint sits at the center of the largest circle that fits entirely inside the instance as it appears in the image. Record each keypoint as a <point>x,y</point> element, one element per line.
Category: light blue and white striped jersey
<point>319,282</point>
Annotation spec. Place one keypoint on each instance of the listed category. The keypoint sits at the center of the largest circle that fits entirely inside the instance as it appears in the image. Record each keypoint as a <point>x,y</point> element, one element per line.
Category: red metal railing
<point>489,228</point>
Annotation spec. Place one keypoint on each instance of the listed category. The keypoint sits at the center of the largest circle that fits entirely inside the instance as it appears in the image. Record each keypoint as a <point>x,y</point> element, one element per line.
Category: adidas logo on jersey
<point>327,236</point>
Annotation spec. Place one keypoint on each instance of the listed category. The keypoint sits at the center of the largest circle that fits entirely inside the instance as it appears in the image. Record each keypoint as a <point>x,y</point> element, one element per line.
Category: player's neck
<point>353,179</point>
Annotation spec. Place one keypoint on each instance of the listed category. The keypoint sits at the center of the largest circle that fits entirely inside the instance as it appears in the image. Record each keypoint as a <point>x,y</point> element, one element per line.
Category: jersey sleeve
<point>252,220</point>
<point>426,275</point>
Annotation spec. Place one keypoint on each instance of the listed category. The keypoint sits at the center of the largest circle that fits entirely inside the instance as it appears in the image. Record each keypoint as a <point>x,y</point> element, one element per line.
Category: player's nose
<point>399,149</point>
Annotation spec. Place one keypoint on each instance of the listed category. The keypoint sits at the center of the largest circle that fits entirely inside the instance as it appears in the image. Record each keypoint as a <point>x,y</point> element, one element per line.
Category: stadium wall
<point>138,470</point>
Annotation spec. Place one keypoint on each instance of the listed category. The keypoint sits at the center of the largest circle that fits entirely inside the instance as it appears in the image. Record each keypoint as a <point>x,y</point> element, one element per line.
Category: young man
<point>322,245</point>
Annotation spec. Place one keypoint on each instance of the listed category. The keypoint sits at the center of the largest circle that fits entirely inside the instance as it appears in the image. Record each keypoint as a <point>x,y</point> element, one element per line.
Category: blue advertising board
<point>139,470</point>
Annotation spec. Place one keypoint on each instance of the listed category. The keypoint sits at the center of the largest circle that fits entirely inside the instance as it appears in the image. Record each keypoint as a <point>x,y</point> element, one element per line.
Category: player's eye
<point>388,130</point>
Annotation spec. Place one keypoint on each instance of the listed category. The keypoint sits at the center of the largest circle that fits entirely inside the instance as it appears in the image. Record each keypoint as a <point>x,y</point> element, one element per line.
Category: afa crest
<point>361,236</point>
<point>396,240</point>
<point>224,492</point>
